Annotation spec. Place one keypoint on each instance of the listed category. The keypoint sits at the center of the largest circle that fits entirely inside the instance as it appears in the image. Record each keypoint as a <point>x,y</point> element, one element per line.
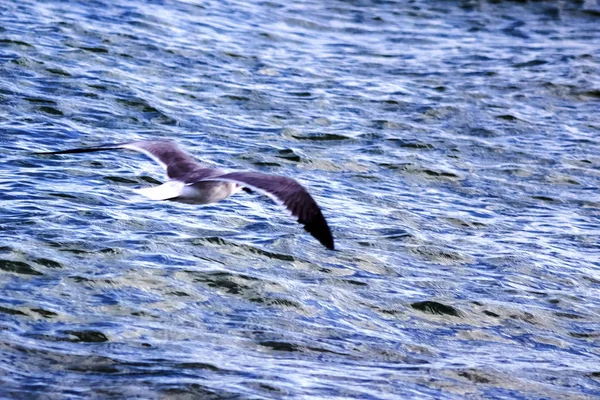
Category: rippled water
<point>453,145</point>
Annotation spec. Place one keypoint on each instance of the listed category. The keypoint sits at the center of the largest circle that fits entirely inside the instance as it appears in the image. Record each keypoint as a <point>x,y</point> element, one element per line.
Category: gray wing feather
<point>168,154</point>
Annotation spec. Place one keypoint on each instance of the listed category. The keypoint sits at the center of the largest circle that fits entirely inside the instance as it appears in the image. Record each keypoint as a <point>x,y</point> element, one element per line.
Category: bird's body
<point>191,182</point>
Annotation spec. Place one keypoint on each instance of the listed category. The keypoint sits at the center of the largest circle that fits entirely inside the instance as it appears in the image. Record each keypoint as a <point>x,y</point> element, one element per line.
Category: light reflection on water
<point>452,145</point>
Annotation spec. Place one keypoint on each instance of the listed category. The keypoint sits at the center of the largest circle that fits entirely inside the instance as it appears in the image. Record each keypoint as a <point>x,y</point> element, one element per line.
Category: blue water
<point>454,147</point>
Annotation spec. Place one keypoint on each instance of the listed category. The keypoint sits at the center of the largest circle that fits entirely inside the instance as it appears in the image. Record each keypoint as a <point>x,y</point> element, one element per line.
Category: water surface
<point>453,146</point>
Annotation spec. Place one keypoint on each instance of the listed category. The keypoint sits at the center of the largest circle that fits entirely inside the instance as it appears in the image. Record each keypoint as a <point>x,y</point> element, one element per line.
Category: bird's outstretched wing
<point>291,195</point>
<point>166,153</point>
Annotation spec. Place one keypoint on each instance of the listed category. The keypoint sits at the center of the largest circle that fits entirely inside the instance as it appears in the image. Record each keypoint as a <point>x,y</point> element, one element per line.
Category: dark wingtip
<point>327,242</point>
<point>320,231</point>
<point>105,147</point>
<point>70,151</point>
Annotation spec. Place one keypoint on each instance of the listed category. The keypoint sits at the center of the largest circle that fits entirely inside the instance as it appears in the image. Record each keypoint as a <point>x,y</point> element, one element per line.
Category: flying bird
<point>191,182</point>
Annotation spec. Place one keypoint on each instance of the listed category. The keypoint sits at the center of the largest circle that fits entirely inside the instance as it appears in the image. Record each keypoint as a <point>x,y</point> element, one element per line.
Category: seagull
<point>192,183</point>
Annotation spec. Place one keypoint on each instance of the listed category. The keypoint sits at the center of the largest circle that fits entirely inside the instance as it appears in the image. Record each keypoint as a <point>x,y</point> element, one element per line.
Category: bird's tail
<point>166,191</point>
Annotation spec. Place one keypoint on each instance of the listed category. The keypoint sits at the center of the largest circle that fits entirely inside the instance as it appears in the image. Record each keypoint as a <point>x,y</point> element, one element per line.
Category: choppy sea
<point>454,147</point>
